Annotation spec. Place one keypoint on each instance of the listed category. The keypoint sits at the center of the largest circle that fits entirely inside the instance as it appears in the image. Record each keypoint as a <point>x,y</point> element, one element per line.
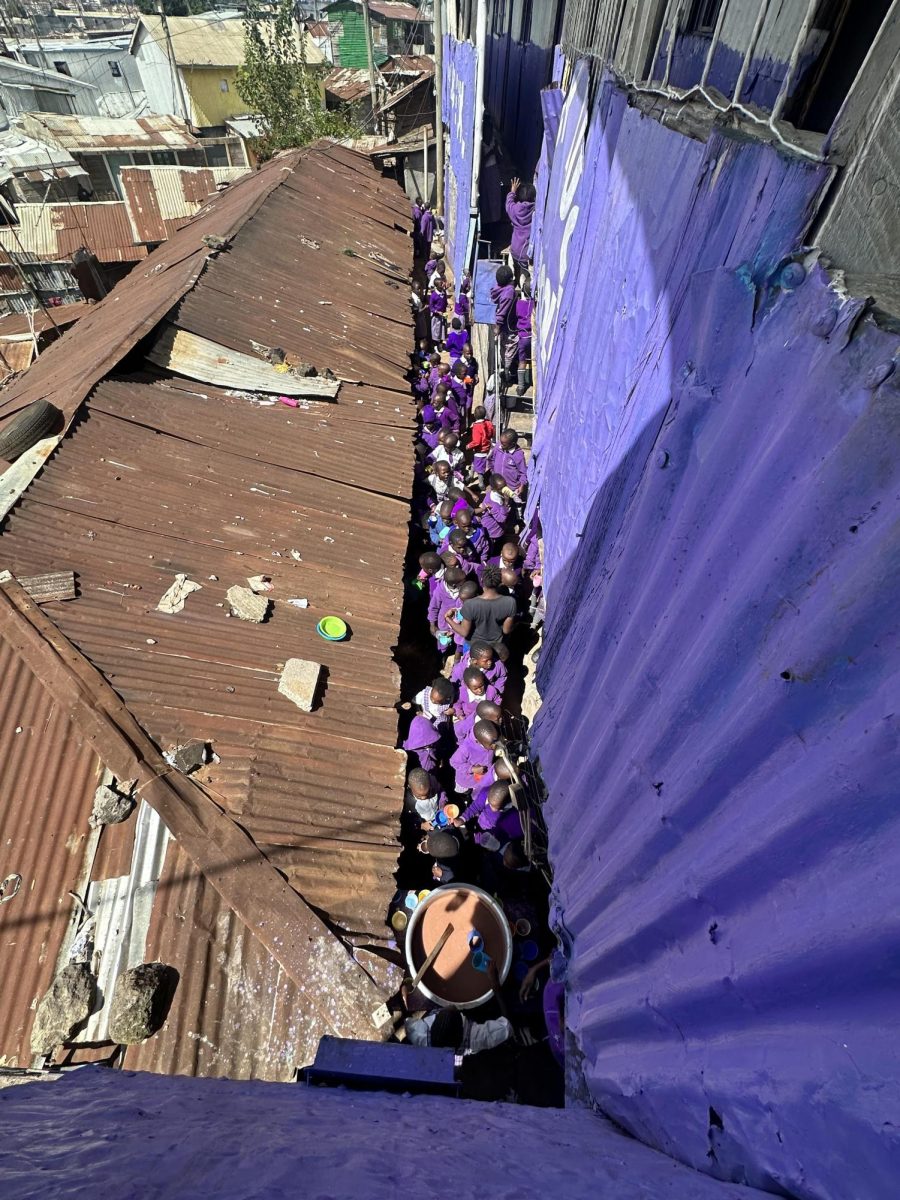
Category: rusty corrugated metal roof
<point>16,326</point>
<point>79,133</point>
<point>162,475</point>
<point>48,775</point>
<point>66,373</point>
<point>160,199</point>
<point>54,232</point>
<point>348,83</point>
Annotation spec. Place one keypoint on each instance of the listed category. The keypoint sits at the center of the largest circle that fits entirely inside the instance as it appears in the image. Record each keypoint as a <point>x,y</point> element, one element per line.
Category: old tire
<point>27,427</point>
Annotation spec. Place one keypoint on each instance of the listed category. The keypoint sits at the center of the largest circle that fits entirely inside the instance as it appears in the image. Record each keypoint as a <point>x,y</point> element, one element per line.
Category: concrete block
<point>246,604</point>
<point>298,682</point>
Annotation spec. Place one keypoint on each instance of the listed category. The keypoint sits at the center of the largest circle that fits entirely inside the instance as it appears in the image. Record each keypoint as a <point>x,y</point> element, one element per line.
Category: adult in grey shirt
<point>489,616</point>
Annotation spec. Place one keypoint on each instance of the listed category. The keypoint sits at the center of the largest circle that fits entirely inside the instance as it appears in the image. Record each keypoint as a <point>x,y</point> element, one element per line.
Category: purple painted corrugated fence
<point>460,68</point>
<point>717,467</point>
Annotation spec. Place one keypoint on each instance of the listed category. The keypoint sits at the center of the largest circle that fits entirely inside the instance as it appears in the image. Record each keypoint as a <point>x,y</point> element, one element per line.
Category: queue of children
<point>476,581</point>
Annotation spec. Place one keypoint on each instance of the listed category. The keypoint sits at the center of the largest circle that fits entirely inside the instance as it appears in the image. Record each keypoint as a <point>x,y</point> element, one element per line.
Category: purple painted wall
<point>460,68</point>
<point>515,74</point>
<point>764,76</point>
<point>717,465</point>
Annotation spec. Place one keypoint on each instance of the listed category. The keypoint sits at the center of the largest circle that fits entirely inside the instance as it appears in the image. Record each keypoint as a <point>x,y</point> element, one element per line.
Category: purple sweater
<point>469,754</point>
<point>521,214</point>
<point>504,298</point>
<point>524,309</point>
<point>510,464</point>
<point>494,515</point>
<point>437,302</point>
<point>456,339</point>
<point>440,604</point>
<point>496,675</point>
<point>426,225</point>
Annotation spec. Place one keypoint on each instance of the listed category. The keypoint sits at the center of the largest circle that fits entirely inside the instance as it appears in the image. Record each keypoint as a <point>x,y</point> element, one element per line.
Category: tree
<point>173,8</point>
<point>278,85</point>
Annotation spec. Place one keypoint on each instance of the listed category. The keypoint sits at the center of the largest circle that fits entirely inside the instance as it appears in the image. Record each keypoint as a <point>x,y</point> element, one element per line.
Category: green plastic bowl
<point>333,629</point>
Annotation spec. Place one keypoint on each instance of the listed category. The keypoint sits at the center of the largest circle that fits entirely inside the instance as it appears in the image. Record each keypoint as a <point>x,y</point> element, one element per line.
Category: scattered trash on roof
<point>172,600</point>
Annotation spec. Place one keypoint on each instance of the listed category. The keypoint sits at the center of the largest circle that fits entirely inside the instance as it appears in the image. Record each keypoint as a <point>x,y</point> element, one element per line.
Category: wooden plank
<point>872,94</point>
<point>16,478</point>
<point>207,361</point>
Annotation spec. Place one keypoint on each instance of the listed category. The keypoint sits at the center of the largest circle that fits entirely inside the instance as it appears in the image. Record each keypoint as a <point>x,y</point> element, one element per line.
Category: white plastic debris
<point>299,602</point>
<point>172,600</point>
<point>297,556</point>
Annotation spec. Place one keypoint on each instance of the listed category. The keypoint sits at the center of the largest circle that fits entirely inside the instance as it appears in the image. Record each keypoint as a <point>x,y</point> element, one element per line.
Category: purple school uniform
<point>432,581</point>
<point>459,390</point>
<point>503,825</point>
<point>469,754</point>
<point>524,309</point>
<point>495,675</point>
<point>456,339</point>
<point>494,516</point>
<point>437,302</point>
<point>426,229</point>
<point>510,464</point>
<point>521,215</point>
<point>422,740</point>
<point>462,309</point>
<point>504,298</point>
<point>441,603</point>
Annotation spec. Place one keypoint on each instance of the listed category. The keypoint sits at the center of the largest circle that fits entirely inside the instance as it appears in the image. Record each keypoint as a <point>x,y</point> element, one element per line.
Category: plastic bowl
<point>529,951</point>
<point>451,811</point>
<point>424,894</point>
<point>399,920</point>
<point>523,928</point>
<point>332,629</point>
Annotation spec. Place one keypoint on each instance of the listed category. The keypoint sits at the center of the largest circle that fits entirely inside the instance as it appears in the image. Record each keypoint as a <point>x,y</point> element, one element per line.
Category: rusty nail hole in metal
<point>787,674</point>
<point>854,528</point>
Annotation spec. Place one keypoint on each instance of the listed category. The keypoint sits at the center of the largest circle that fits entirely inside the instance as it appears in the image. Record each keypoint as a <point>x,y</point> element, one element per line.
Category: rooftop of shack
<point>160,474</point>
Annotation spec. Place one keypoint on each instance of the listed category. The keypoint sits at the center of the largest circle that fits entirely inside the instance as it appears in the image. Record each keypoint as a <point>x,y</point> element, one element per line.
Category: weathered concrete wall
<point>717,465</point>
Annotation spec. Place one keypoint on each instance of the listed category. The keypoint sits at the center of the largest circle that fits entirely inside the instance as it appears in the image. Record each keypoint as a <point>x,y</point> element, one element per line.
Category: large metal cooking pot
<point>416,951</point>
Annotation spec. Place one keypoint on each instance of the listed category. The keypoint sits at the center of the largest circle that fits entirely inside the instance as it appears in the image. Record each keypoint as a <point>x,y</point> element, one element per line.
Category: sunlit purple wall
<point>717,466</point>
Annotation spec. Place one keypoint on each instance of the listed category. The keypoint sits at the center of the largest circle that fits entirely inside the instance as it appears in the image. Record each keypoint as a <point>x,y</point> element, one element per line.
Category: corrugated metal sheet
<point>84,134</point>
<point>131,505</point>
<point>48,775</point>
<point>66,373</point>
<point>17,326</point>
<point>235,1012</point>
<point>394,10</point>
<point>718,482</point>
<point>15,357</point>
<point>56,231</point>
<point>211,41</point>
<point>161,199</point>
<point>351,314</point>
<point>348,84</point>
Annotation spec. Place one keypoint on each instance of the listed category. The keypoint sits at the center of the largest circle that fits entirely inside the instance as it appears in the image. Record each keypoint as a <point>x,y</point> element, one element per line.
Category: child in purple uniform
<point>509,461</point>
<point>520,210</point>
<point>426,227</point>
<point>431,571</point>
<point>485,710</point>
<point>494,512</point>
<point>524,311</point>
<point>496,819</point>
<point>423,741</point>
<point>456,339</point>
<point>473,690</point>
<point>447,450</point>
<point>484,657</point>
<point>444,600</point>
<point>503,294</point>
<point>474,755</point>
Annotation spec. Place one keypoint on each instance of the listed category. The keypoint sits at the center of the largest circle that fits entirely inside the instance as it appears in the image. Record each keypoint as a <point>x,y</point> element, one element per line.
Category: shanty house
<point>189,67</point>
<point>397,28</point>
